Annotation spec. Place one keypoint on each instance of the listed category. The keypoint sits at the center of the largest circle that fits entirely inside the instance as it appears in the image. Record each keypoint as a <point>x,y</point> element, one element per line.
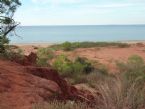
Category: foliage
<point>12,54</point>
<point>44,54</point>
<point>72,68</point>
<point>7,23</point>
<point>133,68</point>
<point>67,46</point>
<point>85,65</point>
<point>63,65</point>
<point>121,91</point>
<point>124,90</point>
<point>115,94</point>
<point>61,105</point>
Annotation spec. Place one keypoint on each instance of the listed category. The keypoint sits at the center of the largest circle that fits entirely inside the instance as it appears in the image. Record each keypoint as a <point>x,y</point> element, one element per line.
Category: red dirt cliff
<point>22,86</point>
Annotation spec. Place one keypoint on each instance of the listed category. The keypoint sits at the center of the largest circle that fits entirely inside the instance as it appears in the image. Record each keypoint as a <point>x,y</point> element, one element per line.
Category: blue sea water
<point>57,34</point>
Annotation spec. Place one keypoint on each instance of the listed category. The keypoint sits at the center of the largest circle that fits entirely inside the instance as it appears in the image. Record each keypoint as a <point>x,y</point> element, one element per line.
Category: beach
<point>72,54</point>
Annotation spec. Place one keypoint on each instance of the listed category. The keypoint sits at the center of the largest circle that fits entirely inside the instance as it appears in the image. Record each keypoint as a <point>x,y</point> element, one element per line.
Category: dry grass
<point>125,90</point>
<point>61,105</point>
<point>117,93</point>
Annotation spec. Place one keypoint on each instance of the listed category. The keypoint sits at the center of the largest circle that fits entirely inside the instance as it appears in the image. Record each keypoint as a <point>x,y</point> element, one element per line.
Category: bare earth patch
<point>23,86</point>
<point>107,55</point>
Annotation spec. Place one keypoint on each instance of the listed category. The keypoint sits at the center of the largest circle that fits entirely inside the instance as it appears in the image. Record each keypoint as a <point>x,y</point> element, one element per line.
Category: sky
<point>81,12</point>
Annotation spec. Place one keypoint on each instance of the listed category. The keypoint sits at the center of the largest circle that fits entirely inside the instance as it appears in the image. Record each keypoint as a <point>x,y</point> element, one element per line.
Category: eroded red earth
<point>23,86</point>
<point>107,55</point>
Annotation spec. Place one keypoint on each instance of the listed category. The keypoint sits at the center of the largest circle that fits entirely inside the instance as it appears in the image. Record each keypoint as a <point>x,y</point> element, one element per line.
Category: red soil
<point>107,55</point>
<point>22,86</point>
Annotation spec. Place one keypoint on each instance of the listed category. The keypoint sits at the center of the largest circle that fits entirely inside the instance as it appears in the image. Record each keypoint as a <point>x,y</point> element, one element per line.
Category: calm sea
<point>57,34</point>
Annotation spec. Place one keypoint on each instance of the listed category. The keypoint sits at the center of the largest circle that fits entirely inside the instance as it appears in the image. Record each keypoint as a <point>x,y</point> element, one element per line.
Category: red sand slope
<point>22,86</point>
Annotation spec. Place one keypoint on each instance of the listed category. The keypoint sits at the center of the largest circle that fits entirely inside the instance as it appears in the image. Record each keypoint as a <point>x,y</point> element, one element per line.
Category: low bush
<point>113,95</point>
<point>67,46</point>
<point>63,65</point>
<point>70,68</point>
<point>85,65</point>
<point>12,54</point>
<point>124,90</point>
<point>44,55</point>
<point>133,68</point>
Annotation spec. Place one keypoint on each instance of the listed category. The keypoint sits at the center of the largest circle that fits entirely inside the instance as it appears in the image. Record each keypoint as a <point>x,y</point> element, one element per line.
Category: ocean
<point>58,34</point>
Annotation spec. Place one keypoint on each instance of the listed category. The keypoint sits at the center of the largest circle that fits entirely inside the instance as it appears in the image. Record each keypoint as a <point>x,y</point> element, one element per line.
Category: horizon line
<point>91,25</point>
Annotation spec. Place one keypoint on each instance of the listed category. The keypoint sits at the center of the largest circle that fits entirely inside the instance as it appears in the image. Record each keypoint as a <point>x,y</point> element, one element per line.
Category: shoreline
<point>33,44</point>
<point>45,44</point>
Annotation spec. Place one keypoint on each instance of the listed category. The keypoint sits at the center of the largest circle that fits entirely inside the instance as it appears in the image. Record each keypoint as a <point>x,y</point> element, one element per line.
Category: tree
<point>7,23</point>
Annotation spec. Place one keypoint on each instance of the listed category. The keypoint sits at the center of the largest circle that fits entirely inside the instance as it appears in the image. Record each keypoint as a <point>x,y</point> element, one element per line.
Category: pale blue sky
<point>81,12</point>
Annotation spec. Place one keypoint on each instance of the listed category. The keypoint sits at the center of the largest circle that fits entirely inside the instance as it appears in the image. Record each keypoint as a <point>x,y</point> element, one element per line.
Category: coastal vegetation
<point>118,91</point>
<point>73,71</point>
<point>124,89</point>
<point>12,53</point>
<point>121,90</point>
<point>68,46</point>
<point>44,55</point>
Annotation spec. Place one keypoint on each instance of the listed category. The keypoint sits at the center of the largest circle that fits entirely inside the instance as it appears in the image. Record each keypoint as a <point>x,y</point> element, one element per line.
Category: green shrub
<point>78,67</point>
<point>124,90</point>
<point>133,68</point>
<point>44,55</point>
<point>83,65</point>
<point>63,65</point>
<point>135,62</point>
<point>72,68</point>
<point>20,53</point>
<point>123,45</point>
<point>67,46</point>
